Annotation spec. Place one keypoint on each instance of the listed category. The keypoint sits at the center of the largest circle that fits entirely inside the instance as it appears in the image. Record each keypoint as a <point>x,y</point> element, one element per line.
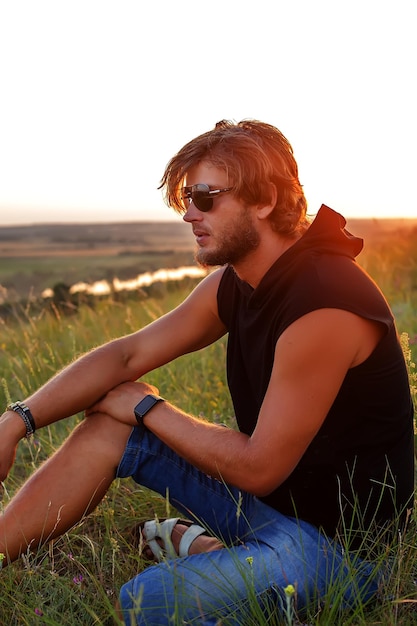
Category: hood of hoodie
<point>326,235</point>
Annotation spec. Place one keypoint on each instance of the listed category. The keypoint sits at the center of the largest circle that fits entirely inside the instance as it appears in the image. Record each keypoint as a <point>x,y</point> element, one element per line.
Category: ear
<point>264,210</point>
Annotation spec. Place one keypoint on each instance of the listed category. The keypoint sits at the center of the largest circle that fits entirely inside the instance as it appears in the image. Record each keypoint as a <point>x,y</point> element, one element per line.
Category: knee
<point>99,431</point>
<point>128,607</point>
<point>146,598</point>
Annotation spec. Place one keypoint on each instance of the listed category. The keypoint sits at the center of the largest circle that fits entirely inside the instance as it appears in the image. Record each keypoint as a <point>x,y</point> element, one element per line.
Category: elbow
<point>266,470</point>
<point>122,347</point>
<point>263,491</point>
<point>263,484</point>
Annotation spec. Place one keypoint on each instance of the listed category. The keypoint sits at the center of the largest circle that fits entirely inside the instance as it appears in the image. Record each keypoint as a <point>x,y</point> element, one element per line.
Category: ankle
<point>202,543</point>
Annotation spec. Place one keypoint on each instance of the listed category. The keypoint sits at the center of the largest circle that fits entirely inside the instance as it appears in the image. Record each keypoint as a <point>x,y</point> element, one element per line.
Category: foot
<point>201,543</point>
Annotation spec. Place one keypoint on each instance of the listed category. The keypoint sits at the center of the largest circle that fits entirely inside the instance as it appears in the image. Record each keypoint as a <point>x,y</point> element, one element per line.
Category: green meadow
<point>75,579</point>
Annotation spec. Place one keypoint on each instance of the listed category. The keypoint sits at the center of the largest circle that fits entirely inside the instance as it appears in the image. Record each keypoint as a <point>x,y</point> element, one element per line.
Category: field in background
<point>34,258</point>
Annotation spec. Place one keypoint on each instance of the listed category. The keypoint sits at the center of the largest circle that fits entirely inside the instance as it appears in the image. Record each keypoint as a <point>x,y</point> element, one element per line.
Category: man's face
<point>226,233</point>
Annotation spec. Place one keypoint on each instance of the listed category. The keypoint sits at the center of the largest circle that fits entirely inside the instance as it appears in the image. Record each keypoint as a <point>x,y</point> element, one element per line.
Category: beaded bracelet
<point>21,409</point>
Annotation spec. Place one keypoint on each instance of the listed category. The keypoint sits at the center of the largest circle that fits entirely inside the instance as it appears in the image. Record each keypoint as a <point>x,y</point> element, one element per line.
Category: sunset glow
<point>97,97</point>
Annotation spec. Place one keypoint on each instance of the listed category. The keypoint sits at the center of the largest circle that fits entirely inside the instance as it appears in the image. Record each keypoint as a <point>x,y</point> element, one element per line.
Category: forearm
<point>79,385</point>
<point>221,452</point>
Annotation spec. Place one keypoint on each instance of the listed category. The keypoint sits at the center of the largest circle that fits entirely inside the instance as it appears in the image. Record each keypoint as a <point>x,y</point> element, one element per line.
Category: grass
<point>81,588</point>
<point>75,579</point>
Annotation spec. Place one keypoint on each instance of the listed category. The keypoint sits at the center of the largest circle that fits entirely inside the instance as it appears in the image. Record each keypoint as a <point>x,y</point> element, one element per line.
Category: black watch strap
<point>145,406</point>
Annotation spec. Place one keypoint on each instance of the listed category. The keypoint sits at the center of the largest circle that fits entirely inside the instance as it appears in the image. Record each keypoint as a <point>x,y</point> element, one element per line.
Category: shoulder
<point>210,284</point>
<point>203,298</point>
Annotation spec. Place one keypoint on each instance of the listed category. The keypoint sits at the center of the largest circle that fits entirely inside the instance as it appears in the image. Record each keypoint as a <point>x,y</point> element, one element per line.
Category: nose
<point>192,214</point>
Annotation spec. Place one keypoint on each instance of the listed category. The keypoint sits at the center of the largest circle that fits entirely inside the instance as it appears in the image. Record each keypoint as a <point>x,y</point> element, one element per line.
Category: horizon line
<point>94,222</point>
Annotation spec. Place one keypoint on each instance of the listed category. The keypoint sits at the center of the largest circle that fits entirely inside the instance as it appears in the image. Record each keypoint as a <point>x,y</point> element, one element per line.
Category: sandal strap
<point>153,529</point>
<point>188,537</point>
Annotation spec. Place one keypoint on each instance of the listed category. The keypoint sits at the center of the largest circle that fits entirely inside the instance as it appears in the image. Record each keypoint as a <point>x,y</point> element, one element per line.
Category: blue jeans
<point>265,551</point>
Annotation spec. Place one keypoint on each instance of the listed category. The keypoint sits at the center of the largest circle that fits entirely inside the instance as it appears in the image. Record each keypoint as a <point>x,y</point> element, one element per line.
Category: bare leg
<point>66,487</point>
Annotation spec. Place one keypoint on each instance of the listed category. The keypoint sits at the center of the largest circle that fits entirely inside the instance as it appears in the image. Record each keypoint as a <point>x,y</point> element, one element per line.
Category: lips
<point>201,236</point>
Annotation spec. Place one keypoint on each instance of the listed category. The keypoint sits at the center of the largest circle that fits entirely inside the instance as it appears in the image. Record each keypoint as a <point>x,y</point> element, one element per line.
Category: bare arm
<point>312,358</point>
<point>191,326</point>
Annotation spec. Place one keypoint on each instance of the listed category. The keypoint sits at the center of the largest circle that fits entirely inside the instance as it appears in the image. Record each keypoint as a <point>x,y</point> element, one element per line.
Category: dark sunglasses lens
<point>202,201</point>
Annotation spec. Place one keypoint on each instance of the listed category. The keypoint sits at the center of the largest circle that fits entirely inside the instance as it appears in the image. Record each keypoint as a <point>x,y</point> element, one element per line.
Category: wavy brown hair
<point>254,155</point>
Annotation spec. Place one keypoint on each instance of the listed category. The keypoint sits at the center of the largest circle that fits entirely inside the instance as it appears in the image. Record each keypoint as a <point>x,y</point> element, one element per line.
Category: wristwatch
<point>145,406</point>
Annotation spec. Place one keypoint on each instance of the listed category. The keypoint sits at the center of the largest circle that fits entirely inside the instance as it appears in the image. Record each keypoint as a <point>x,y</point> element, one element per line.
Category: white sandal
<point>162,530</point>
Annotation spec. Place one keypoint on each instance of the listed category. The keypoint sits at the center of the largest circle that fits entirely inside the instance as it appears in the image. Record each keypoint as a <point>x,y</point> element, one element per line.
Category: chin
<point>205,258</point>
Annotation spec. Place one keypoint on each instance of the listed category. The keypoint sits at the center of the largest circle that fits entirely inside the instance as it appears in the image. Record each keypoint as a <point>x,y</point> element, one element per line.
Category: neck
<point>255,265</point>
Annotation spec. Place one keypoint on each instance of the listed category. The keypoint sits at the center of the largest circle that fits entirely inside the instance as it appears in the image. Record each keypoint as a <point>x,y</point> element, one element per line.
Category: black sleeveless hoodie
<point>359,469</point>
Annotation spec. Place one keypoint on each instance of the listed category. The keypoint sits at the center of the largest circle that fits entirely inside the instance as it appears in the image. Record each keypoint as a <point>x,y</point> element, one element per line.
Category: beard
<point>232,246</point>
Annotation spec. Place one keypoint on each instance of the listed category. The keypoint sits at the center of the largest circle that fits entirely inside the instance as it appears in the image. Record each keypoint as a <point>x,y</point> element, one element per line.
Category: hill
<point>94,239</point>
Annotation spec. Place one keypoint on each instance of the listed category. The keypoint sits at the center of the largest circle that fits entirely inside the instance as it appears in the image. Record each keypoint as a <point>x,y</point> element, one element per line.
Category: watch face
<point>146,404</point>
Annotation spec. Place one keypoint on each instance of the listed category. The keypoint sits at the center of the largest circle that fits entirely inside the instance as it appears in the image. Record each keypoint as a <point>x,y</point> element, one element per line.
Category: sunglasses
<point>202,196</point>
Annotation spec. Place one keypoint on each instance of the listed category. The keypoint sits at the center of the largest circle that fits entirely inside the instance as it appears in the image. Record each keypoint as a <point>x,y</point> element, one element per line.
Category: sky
<point>97,96</point>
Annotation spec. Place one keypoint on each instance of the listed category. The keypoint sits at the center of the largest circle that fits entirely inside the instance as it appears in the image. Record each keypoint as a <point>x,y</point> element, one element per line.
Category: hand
<point>120,401</point>
<point>12,429</point>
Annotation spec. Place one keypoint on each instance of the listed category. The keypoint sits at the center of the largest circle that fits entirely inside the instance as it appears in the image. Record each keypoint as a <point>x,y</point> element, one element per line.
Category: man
<point>324,451</point>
